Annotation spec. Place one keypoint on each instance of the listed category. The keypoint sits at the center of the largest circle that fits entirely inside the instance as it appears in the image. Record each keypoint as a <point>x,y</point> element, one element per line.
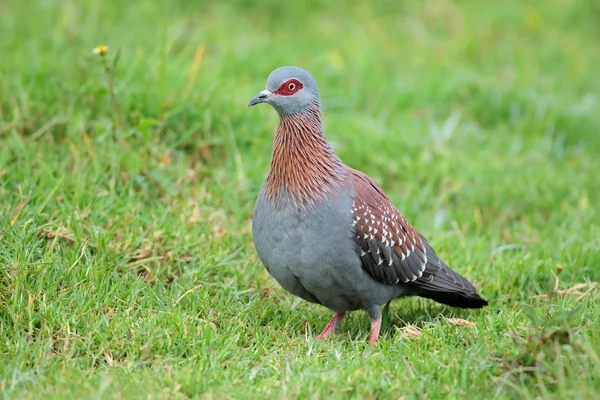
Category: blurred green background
<point>127,267</point>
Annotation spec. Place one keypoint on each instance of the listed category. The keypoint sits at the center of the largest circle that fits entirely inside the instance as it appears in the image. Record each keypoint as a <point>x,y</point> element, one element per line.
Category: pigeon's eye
<point>289,87</point>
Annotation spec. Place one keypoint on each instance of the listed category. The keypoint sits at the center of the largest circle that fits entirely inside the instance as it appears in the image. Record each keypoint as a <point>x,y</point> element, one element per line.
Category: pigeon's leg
<point>330,328</point>
<point>375,315</point>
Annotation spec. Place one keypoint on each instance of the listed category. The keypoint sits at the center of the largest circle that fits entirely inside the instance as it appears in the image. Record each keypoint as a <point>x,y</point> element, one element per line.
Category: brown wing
<point>391,249</point>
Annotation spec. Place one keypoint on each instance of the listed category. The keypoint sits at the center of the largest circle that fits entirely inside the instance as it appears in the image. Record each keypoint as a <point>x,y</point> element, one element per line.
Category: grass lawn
<point>126,261</point>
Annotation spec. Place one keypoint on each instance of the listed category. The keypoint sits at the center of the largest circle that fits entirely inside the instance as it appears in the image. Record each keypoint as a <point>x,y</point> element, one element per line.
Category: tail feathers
<point>456,299</point>
<point>446,286</point>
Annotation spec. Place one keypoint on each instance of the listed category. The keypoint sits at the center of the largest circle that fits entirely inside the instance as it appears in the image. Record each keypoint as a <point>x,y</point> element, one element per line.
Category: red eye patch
<point>289,87</point>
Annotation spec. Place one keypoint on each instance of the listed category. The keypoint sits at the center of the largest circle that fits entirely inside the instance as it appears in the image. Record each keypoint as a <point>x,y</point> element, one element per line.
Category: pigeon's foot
<point>330,328</point>
<point>375,327</point>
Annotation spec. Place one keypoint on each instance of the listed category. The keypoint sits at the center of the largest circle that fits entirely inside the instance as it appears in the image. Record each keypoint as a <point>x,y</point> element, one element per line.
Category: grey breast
<point>311,252</point>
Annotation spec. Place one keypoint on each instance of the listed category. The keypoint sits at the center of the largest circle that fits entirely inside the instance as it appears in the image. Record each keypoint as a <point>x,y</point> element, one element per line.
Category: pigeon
<point>328,233</point>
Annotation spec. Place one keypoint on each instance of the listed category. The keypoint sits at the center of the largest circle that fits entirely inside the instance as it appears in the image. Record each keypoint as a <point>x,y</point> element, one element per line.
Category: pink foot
<point>330,328</point>
<point>375,326</point>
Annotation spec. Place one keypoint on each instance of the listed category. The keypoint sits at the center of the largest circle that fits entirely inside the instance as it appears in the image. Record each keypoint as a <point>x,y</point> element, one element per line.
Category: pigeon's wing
<point>391,250</point>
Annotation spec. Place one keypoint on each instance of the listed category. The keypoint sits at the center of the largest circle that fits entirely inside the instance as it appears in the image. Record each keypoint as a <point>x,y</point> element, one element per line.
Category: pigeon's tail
<point>450,288</point>
<point>456,299</point>
<point>446,286</point>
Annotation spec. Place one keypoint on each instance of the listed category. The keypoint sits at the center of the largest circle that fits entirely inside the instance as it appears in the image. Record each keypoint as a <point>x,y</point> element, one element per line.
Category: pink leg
<point>330,328</point>
<point>375,326</point>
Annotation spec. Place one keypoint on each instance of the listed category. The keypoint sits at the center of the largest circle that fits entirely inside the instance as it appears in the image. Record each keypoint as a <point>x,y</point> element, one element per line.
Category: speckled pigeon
<point>328,233</point>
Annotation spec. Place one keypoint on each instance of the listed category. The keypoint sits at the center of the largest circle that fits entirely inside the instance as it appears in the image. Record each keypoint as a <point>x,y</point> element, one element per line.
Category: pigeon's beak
<point>260,98</point>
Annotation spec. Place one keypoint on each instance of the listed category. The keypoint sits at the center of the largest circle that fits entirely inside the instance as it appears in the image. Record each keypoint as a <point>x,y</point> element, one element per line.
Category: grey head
<point>290,90</point>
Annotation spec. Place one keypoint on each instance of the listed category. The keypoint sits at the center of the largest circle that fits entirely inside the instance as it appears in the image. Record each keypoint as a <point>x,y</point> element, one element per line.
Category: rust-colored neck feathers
<point>304,167</point>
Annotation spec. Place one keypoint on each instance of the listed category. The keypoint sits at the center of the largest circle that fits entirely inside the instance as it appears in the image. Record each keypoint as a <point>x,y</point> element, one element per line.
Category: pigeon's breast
<point>306,249</point>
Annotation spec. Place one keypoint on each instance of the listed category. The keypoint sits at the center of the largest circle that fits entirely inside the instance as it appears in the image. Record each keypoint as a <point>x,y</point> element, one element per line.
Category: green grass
<point>126,260</point>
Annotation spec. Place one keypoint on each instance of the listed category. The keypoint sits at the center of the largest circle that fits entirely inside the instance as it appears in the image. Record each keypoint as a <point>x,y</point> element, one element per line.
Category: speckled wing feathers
<point>391,250</point>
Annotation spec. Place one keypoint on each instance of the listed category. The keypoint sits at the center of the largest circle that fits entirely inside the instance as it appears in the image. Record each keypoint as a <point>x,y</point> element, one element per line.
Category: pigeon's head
<point>290,90</point>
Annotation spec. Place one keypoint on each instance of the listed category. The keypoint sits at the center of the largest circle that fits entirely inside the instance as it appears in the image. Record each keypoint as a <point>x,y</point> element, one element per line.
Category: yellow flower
<point>559,267</point>
<point>100,50</point>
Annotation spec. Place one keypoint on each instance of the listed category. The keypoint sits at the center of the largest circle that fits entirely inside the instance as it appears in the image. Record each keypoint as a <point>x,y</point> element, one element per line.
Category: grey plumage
<point>328,233</point>
<point>311,254</point>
